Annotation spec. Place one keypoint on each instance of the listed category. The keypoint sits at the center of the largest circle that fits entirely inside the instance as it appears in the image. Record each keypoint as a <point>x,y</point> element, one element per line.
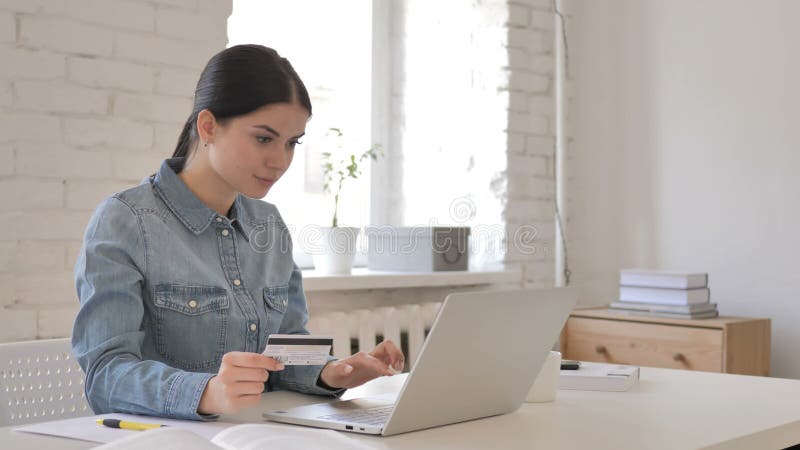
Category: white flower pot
<point>335,251</point>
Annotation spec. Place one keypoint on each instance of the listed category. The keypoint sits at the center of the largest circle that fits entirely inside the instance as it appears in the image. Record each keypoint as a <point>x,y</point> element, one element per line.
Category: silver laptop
<point>479,359</point>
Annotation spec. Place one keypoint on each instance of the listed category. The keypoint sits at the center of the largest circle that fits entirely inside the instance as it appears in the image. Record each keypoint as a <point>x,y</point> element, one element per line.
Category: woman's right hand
<point>238,384</point>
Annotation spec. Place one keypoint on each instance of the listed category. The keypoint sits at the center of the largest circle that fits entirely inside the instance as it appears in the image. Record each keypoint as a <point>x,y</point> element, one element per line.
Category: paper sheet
<point>86,429</point>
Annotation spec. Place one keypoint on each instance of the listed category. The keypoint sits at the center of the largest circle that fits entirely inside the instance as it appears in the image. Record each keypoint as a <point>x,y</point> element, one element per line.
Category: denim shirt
<point>167,286</point>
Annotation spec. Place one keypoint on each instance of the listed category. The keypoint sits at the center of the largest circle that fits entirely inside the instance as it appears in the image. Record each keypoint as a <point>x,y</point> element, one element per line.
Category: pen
<point>127,425</point>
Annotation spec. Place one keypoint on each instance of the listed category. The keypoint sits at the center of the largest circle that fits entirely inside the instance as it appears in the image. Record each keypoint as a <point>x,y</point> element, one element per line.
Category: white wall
<point>93,95</point>
<point>529,179</point>
<point>686,151</point>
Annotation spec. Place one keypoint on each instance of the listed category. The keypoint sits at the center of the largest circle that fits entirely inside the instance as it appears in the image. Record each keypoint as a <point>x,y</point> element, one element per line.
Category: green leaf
<point>336,170</point>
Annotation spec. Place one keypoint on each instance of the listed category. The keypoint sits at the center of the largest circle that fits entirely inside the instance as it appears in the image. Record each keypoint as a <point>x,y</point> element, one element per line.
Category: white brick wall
<point>8,27</point>
<point>6,94</point>
<point>182,24</point>
<point>154,49</point>
<point>94,92</point>
<point>120,14</point>
<point>529,207</point>
<point>183,4</point>
<point>164,136</point>
<point>92,95</point>
<point>60,162</point>
<point>106,73</point>
<point>573,214</point>
<point>31,194</point>
<point>17,325</point>
<point>65,36</point>
<point>26,127</point>
<point>46,96</point>
<point>6,160</point>
<point>30,65</point>
<point>46,288</point>
<point>33,256</point>
<point>50,321</point>
<point>86,194</point>
<point>44,225</point>
<point>107,132</point>
<point>144,107</point>
<point>133,166</point>
<point>176,82</point>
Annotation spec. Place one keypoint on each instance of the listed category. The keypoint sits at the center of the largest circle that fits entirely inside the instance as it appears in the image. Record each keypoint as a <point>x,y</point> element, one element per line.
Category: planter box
<point>418,249</point>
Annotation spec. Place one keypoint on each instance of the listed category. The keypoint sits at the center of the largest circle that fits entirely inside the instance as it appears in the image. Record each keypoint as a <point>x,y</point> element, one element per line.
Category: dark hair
<point>239,80</point>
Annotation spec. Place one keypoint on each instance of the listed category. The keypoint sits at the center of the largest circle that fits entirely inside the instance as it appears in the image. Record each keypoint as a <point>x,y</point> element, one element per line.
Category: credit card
<point>299,349</point>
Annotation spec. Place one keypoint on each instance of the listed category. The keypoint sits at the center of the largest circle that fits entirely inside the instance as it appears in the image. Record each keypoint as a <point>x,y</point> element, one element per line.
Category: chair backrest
<point>39,381</point>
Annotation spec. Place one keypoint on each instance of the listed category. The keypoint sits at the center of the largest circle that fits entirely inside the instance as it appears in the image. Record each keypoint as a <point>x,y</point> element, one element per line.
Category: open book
<point>238,437</point>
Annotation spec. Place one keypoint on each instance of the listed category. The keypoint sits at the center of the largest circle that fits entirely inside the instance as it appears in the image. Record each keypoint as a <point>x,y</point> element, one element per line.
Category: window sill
<point>363,278</point>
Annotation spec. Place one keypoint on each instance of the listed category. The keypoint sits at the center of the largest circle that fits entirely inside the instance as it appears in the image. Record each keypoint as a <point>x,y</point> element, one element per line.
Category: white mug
<point>546,384</point>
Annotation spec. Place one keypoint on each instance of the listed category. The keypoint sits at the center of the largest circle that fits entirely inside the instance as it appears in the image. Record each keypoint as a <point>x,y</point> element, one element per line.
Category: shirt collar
<point>189,209</point>
<point>241,216</point>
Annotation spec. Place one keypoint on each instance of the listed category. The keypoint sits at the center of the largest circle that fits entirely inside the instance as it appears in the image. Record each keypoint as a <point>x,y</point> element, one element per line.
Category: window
<point>426,80</point>
<point>330,46</point>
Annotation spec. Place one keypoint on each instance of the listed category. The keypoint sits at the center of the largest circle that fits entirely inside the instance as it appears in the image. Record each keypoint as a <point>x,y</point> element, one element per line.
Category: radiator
<point>362,329</point>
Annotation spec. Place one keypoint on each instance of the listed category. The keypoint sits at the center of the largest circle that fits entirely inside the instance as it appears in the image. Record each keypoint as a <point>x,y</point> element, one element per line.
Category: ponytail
<point>185,139</point>
<point>237,81</point>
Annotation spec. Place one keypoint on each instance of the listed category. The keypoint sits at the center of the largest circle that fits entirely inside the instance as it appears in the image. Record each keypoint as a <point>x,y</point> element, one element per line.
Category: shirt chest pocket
<point>276,300</point>
<point>191,324</point>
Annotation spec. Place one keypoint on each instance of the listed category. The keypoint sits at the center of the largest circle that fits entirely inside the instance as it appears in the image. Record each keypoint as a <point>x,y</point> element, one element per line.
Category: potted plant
<point>337,244</point>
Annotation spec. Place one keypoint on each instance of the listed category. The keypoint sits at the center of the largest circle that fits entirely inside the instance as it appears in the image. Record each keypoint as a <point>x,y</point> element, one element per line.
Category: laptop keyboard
<point>376,415</point>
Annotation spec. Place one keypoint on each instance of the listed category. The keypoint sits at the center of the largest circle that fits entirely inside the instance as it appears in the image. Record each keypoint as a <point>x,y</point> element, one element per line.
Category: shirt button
<point>253,327</point>
<point>237,282</point>
<point>192,303</point>
<point>218,219</point>
<point>225,232</point>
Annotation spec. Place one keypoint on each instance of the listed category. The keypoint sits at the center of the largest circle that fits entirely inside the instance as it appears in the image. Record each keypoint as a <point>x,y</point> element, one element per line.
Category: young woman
<point>182,278</point>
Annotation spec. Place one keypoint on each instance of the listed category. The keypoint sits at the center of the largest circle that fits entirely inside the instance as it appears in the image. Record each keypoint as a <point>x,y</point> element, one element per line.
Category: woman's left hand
<point>385,359</point>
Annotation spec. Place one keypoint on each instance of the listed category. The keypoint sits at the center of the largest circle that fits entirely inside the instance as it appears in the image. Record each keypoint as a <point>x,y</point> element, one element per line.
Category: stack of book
<point>679,295</point>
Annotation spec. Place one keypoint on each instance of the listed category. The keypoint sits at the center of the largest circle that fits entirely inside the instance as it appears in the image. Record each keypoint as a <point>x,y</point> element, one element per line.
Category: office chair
<point>40,381</point>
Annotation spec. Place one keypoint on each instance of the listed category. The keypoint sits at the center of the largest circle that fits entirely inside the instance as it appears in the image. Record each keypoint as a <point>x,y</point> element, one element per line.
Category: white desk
<point>669,409</point>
